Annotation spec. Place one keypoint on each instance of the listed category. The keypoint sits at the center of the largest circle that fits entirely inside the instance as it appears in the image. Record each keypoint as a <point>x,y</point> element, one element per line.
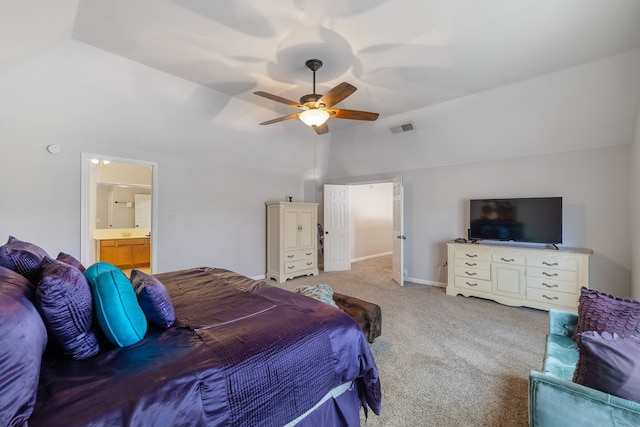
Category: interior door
<point>337,249</point>
<point>398,231</point>
<point>142,205</point>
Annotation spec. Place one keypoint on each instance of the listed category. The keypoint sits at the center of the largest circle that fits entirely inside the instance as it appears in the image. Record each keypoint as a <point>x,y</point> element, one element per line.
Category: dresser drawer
<point>473,254</point>
<point>547,263</point>
<point>471,283</point>
<point>552,285</point>
<point>552,297</point>
<point>550,273</point>
<point>508,259</point>
<point>472,263</point>
<point>301,265</point>
<point>472,273</point>
<point>298,255</point>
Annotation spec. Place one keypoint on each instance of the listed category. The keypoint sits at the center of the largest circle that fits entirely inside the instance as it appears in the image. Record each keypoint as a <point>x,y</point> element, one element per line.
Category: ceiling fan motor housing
<point>310,100</point>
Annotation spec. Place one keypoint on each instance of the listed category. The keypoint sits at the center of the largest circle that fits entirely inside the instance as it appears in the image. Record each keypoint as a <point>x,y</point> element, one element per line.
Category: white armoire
<point>291,240</point>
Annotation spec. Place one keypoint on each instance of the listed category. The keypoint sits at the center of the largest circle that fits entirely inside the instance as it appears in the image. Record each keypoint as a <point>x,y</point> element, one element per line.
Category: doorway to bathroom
<point>119,211</point>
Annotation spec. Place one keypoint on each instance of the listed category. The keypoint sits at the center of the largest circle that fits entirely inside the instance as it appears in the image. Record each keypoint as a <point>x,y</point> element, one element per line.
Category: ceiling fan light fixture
<point>314,117</point>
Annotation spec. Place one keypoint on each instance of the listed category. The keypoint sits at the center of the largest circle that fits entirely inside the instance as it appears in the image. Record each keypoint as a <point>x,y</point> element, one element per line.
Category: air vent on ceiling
<point>405,127</point>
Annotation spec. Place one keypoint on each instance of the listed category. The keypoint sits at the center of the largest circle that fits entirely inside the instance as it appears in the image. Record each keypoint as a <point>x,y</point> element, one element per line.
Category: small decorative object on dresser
<point>291,240</point>
<point>519,276</point>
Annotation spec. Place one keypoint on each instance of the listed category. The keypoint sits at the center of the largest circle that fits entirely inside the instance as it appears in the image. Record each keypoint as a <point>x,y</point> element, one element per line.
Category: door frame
<point>379,181</point>
<point>87,204</point>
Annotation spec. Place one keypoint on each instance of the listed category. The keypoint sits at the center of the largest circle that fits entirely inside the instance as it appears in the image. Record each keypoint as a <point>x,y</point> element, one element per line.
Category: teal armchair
<point>555,400</point>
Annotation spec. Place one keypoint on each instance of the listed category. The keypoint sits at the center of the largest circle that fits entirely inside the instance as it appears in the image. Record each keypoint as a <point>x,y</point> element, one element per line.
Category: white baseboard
<point>425,282</point>
<point>371,256</point>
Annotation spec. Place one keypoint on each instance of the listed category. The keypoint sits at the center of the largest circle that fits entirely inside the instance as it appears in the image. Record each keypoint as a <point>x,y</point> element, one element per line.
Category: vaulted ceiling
<point>402,54</point>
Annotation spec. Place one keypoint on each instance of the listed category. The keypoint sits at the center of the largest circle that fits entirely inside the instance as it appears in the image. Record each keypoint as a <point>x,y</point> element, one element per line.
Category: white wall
<point>590,106</point>
<point>214,172</point>
<point>564,134</point>
<point>635,209</point>
<point>371,210</point>
<point>436,206</point>
<point>209,214</point>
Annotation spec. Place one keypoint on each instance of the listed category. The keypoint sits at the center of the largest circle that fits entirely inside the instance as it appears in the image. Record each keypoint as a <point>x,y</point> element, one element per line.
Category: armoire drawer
<point>300,265</point>
<point>298,255</point>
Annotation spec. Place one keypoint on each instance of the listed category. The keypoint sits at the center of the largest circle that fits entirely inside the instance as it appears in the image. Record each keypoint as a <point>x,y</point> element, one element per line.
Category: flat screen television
<point>532,220</point>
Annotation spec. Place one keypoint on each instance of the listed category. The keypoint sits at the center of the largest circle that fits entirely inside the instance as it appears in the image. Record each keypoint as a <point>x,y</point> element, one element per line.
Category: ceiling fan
<point>317,108</point>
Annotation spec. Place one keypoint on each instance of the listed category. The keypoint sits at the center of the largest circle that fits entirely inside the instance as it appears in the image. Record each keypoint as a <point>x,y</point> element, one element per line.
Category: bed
<point>241,353</point>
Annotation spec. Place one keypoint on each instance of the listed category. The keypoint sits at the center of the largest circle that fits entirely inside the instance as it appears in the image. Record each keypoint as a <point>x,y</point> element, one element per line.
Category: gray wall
<point>209,214</point>
<point>436,206</point>
<point>565,134</point>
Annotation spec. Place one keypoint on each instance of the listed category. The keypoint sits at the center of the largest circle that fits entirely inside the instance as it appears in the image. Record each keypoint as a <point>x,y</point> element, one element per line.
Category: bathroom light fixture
<point>314,117</point>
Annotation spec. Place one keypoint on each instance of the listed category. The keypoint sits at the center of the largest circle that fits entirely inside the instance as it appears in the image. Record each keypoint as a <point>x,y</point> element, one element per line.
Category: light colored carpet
<point>444,361</point>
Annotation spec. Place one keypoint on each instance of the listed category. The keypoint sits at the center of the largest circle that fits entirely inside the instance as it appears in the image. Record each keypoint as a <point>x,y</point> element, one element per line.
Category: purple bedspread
<point>242,353</point>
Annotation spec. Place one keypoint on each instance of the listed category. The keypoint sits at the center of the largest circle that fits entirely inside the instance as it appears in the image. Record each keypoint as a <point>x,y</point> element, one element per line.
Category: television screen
<point>534,220</point>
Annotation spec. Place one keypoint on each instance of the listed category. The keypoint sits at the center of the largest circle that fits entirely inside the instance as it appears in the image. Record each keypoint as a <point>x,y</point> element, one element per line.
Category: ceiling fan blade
<point>281,119</point>
<point>280,99</point>
<point>336,95</point>
<point>322,129</point>
<point>337,113</point>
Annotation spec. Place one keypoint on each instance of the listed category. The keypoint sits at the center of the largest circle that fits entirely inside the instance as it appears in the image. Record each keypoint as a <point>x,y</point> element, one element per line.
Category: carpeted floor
<point>444,361</point>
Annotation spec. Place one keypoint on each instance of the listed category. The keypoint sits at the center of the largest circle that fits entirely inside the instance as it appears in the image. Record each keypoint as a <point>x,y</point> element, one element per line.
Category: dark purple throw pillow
<point>69,259</point>
<point>153,298</point>
<point>15,284</point>
<point>610,363</point>
<point>22,257</point>
<point>64,300</point>
<point>23,338</point>
<point>600,312</point>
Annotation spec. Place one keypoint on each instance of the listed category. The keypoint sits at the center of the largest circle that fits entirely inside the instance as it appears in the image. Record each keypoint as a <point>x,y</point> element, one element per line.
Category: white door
<point>337,251</point>
<point>142,210</point>
<point>398,231</point>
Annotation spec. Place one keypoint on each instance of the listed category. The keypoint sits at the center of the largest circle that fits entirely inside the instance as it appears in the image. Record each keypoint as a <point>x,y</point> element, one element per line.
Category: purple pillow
<point>64,300</point>
<point>23,338</point>
<point>153,298</point>
<point>611,364</point>
<point>22,257</point>
<point>600,312</point>
<point>69,259</point>
<point>15,285</point>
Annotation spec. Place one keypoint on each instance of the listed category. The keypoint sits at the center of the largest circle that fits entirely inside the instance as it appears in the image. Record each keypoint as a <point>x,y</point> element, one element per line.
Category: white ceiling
<point>401,54</point>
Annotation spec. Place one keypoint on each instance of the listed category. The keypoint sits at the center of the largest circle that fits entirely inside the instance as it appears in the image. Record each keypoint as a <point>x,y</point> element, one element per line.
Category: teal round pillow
<point>116,305</point>
<point>99,267</point>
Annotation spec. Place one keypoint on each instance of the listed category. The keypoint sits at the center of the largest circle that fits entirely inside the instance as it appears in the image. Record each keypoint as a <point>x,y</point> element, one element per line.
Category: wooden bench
<point>367,314</point>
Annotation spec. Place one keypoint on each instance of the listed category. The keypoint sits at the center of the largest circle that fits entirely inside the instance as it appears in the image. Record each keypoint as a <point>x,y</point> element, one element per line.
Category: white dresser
<point>518,276</point>
<point>291,240</point>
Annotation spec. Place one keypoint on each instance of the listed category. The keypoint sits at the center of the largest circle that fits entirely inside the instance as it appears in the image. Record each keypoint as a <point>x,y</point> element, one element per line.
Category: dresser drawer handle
<point>290,256</point>
<point>291,267</point>
<point>471,264</point>
<point>471,284</point>
<point>507,260</point>
<point>309,263</point>
<point>549,274</point>
<point>471,255</point>
<point>550,264</point>
<point>309,253</point>
<point>470,273</point>
<point>549,298</point>
<point>549,286</point>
